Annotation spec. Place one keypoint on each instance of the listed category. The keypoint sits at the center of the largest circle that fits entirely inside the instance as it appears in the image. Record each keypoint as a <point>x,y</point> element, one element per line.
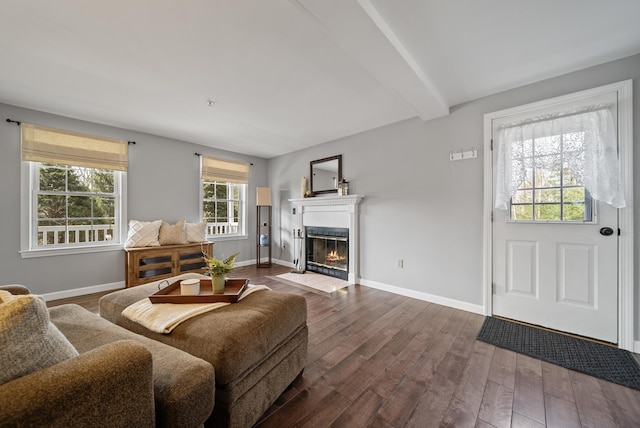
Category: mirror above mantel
<point>325,174</point>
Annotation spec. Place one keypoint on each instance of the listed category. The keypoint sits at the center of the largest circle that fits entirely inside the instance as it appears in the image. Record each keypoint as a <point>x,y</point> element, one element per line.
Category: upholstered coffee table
<point>257,346</point>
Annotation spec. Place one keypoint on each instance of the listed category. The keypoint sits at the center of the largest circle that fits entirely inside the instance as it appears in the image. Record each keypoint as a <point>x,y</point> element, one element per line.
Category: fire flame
<point>333,256</point>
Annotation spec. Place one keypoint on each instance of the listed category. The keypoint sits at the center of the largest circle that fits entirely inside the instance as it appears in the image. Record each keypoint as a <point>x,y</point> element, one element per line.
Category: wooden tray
<point>233,288</point>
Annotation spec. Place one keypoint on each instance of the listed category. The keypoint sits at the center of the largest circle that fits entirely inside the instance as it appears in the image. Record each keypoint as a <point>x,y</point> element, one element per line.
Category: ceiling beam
<point>360,30</point>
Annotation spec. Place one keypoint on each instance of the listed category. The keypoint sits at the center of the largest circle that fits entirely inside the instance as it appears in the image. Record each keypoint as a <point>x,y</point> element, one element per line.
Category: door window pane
<point>548,212</point>
<point>522,212</point>
<point>550,191</point>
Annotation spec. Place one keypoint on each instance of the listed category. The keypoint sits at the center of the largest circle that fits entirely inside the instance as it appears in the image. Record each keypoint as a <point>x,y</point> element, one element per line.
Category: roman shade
<point>221,170</point>
<point>56,146</point>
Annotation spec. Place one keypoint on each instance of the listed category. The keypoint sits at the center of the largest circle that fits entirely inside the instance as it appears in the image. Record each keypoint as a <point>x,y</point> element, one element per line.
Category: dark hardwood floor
<point>381,360</point>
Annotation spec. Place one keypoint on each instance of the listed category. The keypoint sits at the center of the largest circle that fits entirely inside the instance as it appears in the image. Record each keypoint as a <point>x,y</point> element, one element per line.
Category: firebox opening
<point>327,251</point>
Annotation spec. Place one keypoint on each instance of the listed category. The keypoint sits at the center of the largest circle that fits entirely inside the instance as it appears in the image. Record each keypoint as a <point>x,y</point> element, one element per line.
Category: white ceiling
<point>289,74</point>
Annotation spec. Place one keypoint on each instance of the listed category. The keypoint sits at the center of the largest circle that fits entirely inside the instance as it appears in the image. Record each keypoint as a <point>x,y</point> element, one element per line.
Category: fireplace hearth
<point>327,251</point>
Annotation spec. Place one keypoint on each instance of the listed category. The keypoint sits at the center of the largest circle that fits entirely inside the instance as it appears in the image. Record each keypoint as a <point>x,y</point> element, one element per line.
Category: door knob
<point>606,231</point>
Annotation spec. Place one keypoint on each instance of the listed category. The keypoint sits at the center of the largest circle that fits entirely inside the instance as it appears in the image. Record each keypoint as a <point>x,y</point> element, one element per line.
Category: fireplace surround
<point>332,212</point>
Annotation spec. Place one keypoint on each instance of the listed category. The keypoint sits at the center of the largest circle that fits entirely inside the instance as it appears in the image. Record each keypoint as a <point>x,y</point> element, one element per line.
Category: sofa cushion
<point>172,234</point>
<point>28,340</point>
<point>143,234</point>
<point>109,386</point>
<point>15,289</point>
<point>184,386</point>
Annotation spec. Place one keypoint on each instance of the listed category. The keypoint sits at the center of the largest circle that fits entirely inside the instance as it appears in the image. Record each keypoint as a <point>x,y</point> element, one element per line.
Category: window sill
<point>217,238</point>
<point>28,254</point>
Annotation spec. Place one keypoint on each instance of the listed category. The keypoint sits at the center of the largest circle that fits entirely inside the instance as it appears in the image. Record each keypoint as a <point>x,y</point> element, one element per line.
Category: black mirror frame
<point>312,163</point>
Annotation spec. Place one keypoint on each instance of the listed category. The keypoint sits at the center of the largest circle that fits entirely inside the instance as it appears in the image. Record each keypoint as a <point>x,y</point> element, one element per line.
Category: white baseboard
<point>445,301</point>
<point>245,263</point>
<point>284,263</point>
<point>636,346</point>
<point>275,261</point>
<point>75,292</point>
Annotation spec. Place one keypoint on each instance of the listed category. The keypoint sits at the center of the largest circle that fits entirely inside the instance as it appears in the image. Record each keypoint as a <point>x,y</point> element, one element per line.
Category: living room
<point>418,207</point>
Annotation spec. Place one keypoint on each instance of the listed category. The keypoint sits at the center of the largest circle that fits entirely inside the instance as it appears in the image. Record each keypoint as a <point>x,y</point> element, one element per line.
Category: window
<point>73,196</point>
<point>224,193</point>
<point>550,192</point>
<point>223,208</point>
<point>74,205</point>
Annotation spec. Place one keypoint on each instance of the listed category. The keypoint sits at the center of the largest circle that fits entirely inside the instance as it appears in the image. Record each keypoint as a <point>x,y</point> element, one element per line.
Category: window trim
<point>27,184</point>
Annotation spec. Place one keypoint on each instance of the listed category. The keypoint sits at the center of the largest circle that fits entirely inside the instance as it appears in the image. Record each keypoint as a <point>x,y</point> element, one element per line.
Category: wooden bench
<point>148,264</point>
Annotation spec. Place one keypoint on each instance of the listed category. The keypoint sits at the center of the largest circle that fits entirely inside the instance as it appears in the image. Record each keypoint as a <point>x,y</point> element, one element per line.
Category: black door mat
<point>595,359</point>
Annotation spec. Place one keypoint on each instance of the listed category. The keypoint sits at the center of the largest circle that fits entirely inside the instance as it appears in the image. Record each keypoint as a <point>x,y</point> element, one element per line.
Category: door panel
<point>576,280</point>
<point>522,268</point>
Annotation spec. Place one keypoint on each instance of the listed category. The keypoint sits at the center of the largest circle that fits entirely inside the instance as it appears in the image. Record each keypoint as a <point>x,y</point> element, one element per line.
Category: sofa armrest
<point>111,385</point>
<point>15,289</point>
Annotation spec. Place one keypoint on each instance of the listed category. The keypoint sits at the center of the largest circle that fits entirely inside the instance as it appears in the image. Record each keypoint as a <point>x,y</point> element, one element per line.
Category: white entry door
<point>555,250</point>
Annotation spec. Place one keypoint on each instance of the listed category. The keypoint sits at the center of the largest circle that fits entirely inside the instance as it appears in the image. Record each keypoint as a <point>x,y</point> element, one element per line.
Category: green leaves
<point>218,267</point>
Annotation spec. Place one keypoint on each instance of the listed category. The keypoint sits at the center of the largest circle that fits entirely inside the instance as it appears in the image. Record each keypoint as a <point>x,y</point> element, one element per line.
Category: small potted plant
<point>217,270</point>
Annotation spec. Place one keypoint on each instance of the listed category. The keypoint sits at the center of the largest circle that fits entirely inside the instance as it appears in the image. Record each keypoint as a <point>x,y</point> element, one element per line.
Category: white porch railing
<point>220,228</point>
<point>55,235</point>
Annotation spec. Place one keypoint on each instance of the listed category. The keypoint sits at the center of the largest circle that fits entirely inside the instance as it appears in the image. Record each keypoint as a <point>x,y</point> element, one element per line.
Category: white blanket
<point>164,317</point>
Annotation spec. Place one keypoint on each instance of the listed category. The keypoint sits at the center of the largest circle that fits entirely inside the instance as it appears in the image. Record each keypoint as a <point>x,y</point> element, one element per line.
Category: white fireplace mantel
<point>351,200</point>
<point>333,211</point>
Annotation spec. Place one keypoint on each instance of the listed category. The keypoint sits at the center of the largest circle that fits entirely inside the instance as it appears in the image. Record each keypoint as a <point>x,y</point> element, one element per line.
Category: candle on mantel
<point>303,186</point>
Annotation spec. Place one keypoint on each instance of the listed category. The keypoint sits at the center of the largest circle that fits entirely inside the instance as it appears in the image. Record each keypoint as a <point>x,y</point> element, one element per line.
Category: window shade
<point>224,170</point>
<point>40,144</point>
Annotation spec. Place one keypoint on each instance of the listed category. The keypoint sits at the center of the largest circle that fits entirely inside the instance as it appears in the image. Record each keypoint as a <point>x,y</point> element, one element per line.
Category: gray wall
<point>422,208</point>
<point>163,183</point>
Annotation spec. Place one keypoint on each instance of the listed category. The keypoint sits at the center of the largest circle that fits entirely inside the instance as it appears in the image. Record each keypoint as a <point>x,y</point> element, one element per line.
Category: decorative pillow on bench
<point>143,234</point>
<point>172,234</point>
<point>158,232</point>
<point>196,232</point>
<point>28,340</point>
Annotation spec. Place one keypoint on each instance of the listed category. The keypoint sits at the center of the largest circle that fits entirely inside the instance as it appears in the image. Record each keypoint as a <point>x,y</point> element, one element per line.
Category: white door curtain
<point>583,141</point>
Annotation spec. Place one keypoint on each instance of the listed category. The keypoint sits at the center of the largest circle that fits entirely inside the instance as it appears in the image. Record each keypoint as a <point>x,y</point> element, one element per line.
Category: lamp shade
<point>263,196</point>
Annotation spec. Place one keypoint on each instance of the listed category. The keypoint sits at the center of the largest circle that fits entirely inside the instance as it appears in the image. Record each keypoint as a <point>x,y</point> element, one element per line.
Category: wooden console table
<point>148,264</point>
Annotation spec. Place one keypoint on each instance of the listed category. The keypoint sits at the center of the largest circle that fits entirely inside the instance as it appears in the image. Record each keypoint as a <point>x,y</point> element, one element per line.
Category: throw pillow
<point>196,232</point>
<point>28,340</point>
<point>143,234</point>
<point>172,234</point>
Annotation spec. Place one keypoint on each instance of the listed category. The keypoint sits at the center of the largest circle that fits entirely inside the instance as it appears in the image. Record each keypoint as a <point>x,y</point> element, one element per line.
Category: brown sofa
<point>119,379</point>
<point>257,346</point>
